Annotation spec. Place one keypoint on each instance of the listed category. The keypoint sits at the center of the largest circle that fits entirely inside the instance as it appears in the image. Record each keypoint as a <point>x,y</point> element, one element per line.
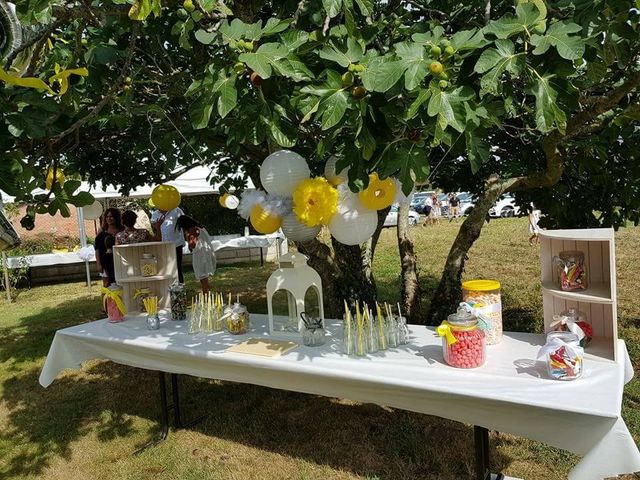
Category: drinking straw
<point>360,331</point>
<point>382,336</point>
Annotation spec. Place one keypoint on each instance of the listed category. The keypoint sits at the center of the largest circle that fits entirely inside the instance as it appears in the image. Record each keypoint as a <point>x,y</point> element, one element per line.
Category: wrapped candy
<point>563,355</point>
<point>574,321</point>
<point>572,271</point>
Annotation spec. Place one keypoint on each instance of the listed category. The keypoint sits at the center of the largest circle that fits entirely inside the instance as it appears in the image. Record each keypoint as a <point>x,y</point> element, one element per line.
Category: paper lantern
<point>263,221</point>
<point>93,211</point>
<point>282,171</point>
<point>222,199</point>
<point>150,203</point>
<point>60,178</point>
<point>379,194</point>
<point>232,202</point>
<point>165,197</point>
<point>335,178</point>
<point>353,224</point>
<point>294,230</point>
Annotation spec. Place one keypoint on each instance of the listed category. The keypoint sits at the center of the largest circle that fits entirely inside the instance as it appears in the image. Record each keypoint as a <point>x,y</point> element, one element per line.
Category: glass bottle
<point>563,355</point>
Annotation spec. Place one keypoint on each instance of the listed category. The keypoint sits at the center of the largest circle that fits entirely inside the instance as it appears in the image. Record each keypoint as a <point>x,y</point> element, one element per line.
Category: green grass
<point>88,422</point>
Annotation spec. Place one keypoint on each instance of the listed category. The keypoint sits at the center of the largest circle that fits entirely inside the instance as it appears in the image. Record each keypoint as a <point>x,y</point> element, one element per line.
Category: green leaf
<point>382,74</point>
<point>228,96</point>
<point>527,15</point>
<point>495,61</point>
<point>292,67</point>
<point>422,97</point>
<point>548,112</point>
<point>262,60</point>
<point>200,113</point>
<point>367,143</point>
<point>275,25</point>
<point>333,109</point>
<point>477,150</point>
<point>352,54</point>
<point>332,7</point>
<point>570,47</point>
<point>366,7</point>
<point>449,106</point>
<point>293,39</point>
<point>416,64</point>
<point>205,37</point>
<point>278,135</point>
<point>82,199</point>
<point>468,40</point>
<point>429,38</point>
<point>71,186</point>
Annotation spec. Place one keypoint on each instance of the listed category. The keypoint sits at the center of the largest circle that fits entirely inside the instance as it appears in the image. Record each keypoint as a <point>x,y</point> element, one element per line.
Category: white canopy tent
<point>193,182</point>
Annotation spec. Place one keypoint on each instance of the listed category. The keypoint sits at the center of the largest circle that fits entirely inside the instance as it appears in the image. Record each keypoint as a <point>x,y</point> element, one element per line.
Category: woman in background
<point>203,256</point>
<point>111,225</point>
<point>130,234</point>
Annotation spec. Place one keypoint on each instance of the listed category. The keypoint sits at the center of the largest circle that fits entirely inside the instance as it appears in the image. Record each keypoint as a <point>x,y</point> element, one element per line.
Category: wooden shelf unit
<point>598,300</point>
<point>126,259</point>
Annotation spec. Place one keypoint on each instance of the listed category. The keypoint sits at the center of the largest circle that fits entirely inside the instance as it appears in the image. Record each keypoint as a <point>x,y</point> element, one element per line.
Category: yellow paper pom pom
<point>315,201</point>
<point>379,194</point>
<point>264,222</point>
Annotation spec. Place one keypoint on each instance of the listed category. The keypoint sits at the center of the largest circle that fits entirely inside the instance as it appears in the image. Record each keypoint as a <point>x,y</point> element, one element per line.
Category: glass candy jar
<point>113,301</point>
<point>178,300</point>
<point>572,271</point>
<point>140,295</point>
<point>575,321</point>
<point>563,355</point>
<point>237,319</point>
<point>485,299</point>
<point>148,265</point>
<point>313,332</point>
<point>463,342</point>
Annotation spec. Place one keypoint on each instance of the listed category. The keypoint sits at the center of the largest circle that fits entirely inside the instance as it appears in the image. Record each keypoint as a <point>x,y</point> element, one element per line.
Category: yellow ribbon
<point>116,296</point>
<point>38,84</point>
<point>139,292</point>
<point>444,330</point>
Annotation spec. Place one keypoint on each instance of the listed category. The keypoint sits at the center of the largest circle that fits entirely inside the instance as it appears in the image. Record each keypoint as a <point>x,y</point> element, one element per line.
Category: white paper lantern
<point>232,202</point>
<point>330,173</point>
<point>93,211</point>
<point>353,224</point>
<point>295,230</point>
<point>282,171</point>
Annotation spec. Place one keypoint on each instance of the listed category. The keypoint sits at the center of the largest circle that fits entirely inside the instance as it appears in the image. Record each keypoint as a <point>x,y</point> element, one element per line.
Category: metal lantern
<point>295,278</point>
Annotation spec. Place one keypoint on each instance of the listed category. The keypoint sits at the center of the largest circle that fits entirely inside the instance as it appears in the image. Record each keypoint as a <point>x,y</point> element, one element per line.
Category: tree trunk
<point>410,287</point>
<point>448,294</point>
<point>346,270</point>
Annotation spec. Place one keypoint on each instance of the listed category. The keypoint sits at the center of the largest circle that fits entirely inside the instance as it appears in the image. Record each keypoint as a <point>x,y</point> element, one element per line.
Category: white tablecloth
<point>46,259</point>
<point>250,241</point>
<point>508,394</point>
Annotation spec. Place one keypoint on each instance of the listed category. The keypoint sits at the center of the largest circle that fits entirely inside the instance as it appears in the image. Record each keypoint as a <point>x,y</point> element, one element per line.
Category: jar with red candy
<point>463,342</point>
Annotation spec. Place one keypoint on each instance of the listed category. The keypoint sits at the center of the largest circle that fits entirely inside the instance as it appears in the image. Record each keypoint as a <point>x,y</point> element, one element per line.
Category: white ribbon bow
<point>553,345</point>
<point>484,322</point>
<point>571,325</point>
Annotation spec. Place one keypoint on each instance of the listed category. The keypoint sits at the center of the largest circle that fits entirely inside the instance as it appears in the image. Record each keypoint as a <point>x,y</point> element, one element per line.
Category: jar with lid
<point>113,302</point>
<point>563,355</point>
<point>178,301</point>
<point>148,265</point>
<point>139,296</point>
<point>572,270</point>
<point>237,319</point>
<point>463,342</point>
<point>485,299</point>
<point>574,321</point>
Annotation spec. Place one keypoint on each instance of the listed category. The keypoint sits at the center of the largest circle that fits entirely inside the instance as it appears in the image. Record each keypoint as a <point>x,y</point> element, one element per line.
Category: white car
<point>505,207</point>
<point>392,217</point>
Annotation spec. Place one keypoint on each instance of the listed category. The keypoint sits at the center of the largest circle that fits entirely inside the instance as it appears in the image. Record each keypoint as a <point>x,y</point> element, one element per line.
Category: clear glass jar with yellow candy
<point>148,265</point>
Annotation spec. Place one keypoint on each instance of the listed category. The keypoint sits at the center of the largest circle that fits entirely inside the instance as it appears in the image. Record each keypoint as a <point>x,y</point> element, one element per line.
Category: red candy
<point>468,351</point>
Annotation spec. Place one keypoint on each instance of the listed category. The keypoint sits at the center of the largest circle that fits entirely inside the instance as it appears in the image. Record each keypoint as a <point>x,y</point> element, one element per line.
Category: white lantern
<point>295,278</point>
<point>335,178</point>
<point>295,230</point>
<point>353,224</point>
<point>93,211</point>
<point>282,171</point>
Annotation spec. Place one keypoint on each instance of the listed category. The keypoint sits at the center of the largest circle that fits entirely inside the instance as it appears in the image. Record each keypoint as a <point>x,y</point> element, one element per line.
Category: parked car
<point>419,201</point>
<point>505,207</point>
<point>392,217</point>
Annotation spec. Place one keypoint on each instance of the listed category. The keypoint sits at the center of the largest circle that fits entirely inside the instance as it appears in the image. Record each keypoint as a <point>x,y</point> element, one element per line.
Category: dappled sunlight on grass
<point>88,422</point>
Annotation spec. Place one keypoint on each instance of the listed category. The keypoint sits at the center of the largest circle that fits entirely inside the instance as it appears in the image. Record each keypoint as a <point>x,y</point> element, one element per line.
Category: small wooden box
<point>598,300</point>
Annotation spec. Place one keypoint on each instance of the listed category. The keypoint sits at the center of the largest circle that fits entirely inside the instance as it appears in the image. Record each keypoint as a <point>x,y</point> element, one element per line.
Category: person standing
<point>111,225</point>
<point>534,229</point>
<point>130,234</point>
<point>202,251</point>
<point>166,223</point>
<point>428,206</point>
<point>454,206</point>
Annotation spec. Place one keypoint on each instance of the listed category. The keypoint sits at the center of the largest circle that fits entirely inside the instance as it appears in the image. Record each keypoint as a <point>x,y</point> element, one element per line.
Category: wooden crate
<point>126,259</point>
<point>598,300</point>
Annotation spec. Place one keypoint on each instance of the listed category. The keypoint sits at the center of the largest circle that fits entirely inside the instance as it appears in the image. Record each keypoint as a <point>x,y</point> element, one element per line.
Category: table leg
<point>261,257</point>
<point>164,416</point>
<point>483,465</point>
<point>177,418</point>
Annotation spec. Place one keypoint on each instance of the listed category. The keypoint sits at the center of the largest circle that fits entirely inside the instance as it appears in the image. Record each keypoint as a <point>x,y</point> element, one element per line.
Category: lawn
<point>87,424</point>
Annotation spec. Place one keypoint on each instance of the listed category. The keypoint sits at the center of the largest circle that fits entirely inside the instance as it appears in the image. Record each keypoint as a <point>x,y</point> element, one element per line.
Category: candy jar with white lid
<point>574,321</point>
<point>237,318</point>
<point>463,341</point>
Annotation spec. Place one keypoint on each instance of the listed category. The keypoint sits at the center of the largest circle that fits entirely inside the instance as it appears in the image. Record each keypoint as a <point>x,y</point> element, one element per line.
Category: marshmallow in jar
<point>484,297</point>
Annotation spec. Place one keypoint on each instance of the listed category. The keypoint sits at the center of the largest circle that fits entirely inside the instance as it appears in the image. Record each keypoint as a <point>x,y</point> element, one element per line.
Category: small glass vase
<point>313,337</point>
<point>153,322</point>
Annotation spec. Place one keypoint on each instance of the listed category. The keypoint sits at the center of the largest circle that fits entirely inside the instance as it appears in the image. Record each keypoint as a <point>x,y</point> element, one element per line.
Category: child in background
<point>202,253</point>
<point>534,229</point>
